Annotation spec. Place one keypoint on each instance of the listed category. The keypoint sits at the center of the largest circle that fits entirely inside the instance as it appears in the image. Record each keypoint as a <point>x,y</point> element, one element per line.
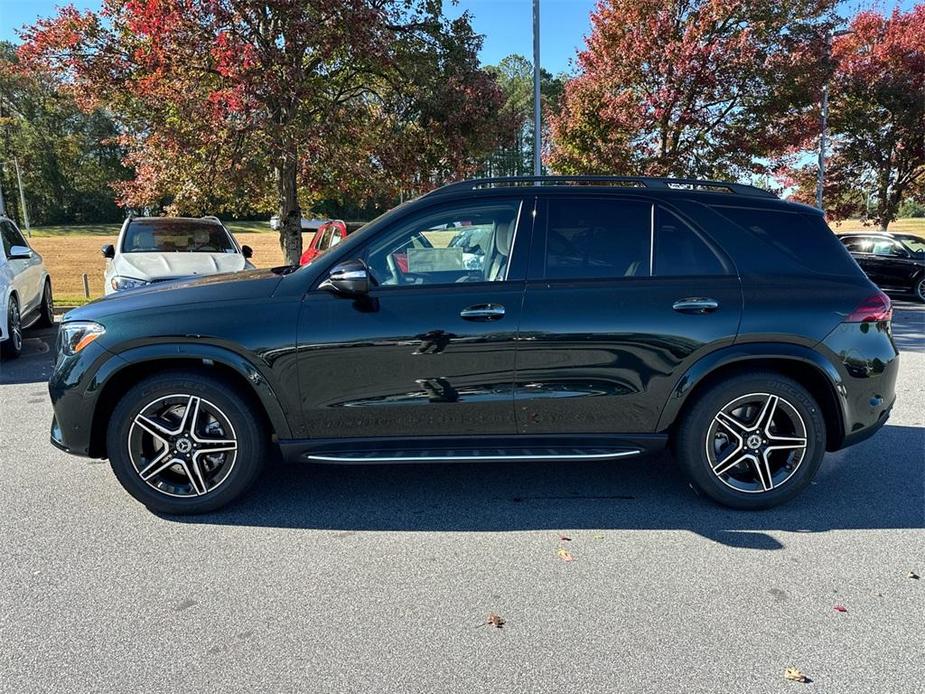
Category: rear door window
<point>858,244</point>
<point>594,238</point>
<point>680,251</point>
<point>804,238</point>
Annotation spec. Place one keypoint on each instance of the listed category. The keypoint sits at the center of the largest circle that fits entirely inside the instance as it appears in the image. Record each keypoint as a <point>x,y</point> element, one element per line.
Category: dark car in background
<point>592,319</point>
<point>894,262</point>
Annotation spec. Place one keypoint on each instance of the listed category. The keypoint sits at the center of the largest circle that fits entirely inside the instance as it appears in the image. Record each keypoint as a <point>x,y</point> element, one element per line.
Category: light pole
<point>537,118</point>
<point>824,119</point>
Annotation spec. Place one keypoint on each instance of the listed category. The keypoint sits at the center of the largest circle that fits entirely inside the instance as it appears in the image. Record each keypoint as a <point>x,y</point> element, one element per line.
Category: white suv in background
<point>25,289</point>
<point>157,249</point>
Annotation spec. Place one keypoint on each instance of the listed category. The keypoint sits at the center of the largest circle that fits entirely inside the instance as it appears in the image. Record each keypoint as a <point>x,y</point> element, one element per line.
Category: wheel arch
<point>118,375</point>
<point>804,365</point>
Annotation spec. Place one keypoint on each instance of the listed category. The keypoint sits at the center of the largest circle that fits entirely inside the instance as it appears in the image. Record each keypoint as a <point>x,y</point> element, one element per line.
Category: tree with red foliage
<point>274,102</point>
<point>877,118</point>
<point>689,87</point>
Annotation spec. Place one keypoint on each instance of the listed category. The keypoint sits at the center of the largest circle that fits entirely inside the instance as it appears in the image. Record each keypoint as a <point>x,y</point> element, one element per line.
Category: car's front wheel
<point>185,443</point>
<point>753,441</point>
<point>919,289</point>
<point>12,346</point>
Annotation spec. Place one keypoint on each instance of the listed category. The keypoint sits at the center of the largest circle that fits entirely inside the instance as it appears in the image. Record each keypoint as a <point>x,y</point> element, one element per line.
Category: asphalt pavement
<point>380,579</point>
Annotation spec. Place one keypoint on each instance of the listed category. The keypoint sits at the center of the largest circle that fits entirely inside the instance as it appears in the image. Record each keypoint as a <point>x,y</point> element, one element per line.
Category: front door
<point>430,351</point>
<point>625,296</point>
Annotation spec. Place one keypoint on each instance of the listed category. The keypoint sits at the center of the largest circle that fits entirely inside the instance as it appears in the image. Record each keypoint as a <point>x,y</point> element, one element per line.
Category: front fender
<point>741,354</point>
<point>207,354</point>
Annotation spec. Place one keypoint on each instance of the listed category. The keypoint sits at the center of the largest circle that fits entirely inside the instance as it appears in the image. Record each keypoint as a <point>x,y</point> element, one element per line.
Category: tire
<point>11,347</point>
<point>150,432</point>
<point>918,289</point>
<point>717,446</point>
<point>47,316</point>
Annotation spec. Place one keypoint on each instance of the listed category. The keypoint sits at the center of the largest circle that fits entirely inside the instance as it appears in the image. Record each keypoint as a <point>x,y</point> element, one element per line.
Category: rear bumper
<point>868,363</point>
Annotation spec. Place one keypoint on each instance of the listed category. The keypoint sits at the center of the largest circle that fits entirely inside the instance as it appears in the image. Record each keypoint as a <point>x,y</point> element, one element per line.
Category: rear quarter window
<point>803,238</point>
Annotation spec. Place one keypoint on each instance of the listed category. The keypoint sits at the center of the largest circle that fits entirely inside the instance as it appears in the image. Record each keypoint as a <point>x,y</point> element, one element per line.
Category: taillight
<point>874,308</point>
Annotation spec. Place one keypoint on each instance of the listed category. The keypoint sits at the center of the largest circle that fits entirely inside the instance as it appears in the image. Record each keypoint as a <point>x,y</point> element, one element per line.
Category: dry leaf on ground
<point>794,675</point>
<point>841,608</point>
<point>913,574</point>
<point>495,620</point>
<point>564,554</point>
<point>564,538</point>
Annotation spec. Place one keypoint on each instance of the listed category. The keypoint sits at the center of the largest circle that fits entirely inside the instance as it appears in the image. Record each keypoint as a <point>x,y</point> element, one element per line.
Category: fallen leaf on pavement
<point>495,620</point>
<point>564,538</point>
<point>599,536</point>
<point>913,574</point>
<point>841,608</point>
<point>564,554</point>
<point>794,675</point>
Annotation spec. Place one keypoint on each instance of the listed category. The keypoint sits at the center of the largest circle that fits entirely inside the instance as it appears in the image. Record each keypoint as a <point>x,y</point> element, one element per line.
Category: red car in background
<point>328,235</point>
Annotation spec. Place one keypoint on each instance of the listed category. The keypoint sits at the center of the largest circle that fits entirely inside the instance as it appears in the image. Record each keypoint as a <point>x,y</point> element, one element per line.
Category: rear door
<point>623,295</point>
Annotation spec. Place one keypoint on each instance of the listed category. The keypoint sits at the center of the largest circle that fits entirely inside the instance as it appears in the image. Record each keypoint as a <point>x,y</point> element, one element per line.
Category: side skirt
<point>390,450</point>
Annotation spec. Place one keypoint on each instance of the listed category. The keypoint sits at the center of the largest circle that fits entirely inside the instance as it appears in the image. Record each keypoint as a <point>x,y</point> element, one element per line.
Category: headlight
<point>119,283</point>
<point>75,335</point>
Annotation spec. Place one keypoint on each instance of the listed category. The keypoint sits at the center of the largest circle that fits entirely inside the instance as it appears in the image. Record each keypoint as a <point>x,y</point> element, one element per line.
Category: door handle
<point>482,312</point>
<point>695,304</point>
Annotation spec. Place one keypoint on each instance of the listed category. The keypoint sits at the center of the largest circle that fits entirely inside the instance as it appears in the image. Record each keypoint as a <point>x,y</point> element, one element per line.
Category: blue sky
<point>506,24</point>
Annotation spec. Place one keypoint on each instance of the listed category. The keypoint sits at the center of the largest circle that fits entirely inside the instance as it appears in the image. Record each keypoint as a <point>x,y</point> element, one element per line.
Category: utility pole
<point>824,119</point>
<point>537,118</point>
<point>2,206</point>
<point>823,133</point>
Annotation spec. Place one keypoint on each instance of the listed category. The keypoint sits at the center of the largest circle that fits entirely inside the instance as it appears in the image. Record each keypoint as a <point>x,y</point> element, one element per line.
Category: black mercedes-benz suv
<point>588,318</point>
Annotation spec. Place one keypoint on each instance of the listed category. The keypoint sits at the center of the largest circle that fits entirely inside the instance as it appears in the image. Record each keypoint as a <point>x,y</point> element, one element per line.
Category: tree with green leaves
<point>67,158</point>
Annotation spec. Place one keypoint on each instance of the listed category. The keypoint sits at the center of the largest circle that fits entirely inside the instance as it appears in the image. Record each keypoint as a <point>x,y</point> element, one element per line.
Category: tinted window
<point>804,239</point>
<point>6,234</point>
<point>603,239</point>
<point>680,251</point>
<point>889,248</point>
<point>858,244</point>
<point>422,252</point>
<point>176,235</point>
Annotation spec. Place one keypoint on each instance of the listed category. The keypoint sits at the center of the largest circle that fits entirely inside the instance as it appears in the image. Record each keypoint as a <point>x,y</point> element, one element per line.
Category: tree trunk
<point>290,214</point>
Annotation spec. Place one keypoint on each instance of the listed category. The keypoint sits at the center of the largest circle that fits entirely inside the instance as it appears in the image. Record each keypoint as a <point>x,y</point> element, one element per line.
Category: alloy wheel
<point>920,290</point>
<point>756,442</point>
<point>15,326</point>
<point>182,445</point>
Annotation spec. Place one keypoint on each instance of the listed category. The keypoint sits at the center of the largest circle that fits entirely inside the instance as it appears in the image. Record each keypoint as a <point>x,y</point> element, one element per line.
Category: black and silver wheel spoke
<point>756,442</point>
<point>182,445</point>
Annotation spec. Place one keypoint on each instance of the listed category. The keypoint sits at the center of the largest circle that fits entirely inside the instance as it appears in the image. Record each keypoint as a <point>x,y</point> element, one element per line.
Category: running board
<point>484,455</point>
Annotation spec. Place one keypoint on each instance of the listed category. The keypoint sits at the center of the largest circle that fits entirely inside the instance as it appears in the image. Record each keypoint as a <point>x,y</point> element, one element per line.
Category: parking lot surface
<point>380,579</point>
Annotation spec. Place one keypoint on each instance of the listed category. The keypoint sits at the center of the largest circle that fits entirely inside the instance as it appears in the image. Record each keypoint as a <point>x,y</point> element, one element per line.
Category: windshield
<point>176,236</point>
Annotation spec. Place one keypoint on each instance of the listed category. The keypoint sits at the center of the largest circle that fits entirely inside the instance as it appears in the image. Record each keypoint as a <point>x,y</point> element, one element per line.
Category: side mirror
<point>247,252</point>
<point>108,251</point>
<point>20,253</point>
<point>350,278</point>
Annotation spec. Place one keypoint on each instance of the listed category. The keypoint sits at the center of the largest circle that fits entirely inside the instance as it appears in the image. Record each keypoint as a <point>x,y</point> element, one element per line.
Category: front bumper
<point>75,390</point>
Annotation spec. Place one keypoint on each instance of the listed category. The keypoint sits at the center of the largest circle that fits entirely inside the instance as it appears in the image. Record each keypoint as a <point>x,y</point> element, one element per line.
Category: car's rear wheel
<point>12,346</point>
<point>47,317</point>
<point>185,443</point>
<point>753,441</point>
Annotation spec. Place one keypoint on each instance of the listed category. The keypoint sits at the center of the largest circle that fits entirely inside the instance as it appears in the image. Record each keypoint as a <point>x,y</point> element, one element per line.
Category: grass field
<point>69,255</point>
<point>908,225</point>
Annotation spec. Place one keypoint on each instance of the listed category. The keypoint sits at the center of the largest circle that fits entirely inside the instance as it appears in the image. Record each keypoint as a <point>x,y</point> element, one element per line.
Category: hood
<point>248,284</point>
<point>155,266</point>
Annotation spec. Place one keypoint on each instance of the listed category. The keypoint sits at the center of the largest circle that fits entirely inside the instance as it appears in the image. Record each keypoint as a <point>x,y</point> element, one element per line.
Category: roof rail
<point>616,181</point>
